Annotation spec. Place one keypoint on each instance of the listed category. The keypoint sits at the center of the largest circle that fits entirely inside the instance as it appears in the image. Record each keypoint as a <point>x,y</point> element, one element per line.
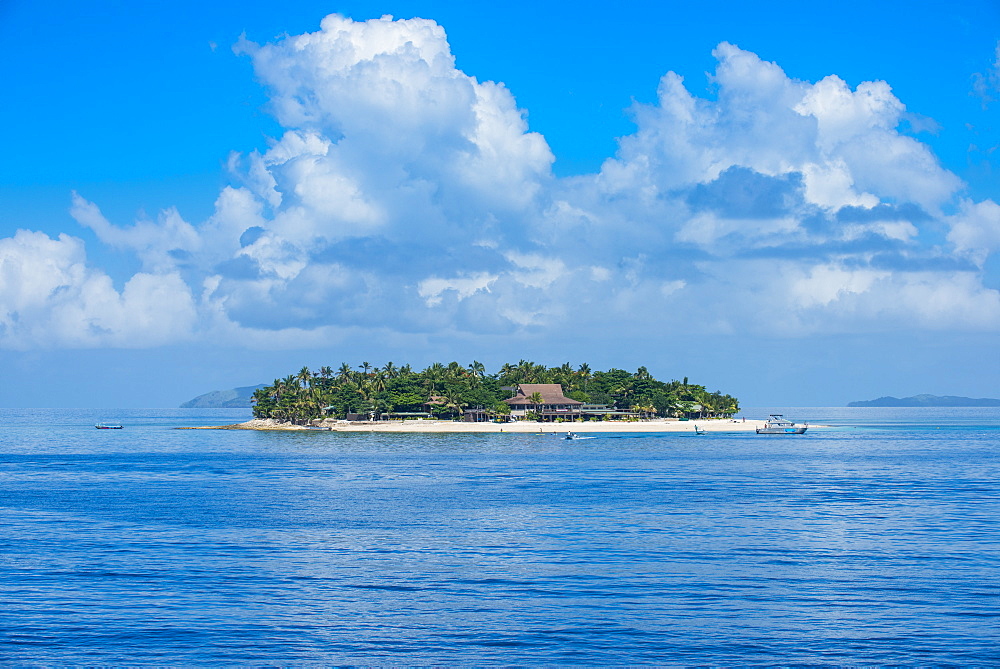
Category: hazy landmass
<point>234,398</point>
<point>928,401</point>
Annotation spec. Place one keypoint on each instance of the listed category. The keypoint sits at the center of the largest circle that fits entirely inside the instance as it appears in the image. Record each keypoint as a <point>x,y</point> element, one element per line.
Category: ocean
<point>875,541</point>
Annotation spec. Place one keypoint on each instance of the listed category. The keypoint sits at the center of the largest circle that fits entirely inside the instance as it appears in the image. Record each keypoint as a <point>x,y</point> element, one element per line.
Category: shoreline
<point>522,427</point>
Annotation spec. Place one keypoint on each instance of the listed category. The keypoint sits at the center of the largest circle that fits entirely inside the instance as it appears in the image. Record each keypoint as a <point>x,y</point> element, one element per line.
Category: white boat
<point>778,424</point>
<point>109,426</point>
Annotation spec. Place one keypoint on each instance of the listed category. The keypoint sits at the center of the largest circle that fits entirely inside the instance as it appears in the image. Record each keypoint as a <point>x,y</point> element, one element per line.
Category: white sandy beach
<point>443,426</point>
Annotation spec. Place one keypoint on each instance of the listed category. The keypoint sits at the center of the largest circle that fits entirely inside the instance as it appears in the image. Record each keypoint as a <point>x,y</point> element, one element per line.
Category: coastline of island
<point>516,427</point>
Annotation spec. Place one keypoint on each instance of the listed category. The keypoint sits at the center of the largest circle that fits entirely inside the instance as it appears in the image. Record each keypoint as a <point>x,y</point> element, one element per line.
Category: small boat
<point>699,431</point>
<point>778,424</point>
<point>324,428</point>
<point>571,435</point>
<point>109,426</point>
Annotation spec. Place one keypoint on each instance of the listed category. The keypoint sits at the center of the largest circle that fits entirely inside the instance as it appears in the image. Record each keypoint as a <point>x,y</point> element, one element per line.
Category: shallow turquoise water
<point>874,541</point>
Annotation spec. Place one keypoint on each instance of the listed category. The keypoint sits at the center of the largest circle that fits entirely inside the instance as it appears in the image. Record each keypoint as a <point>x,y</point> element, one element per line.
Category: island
<point>234,398</point>
<point>518,397</point>
<point>927,401</point>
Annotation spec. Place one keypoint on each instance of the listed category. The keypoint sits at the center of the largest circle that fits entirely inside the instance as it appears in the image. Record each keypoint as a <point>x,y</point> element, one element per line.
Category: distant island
<point>234,398</point>
<point>928,401</point>
<point>525,391</point>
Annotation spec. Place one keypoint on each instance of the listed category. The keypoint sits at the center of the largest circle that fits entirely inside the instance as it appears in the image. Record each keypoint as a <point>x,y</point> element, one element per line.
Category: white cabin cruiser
<point>777,424</point>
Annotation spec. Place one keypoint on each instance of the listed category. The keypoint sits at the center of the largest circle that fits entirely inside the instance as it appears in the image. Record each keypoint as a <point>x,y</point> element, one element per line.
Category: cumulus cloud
<point>404,195</point>
<point>975,229</point>
<point>50,297</point>
<point>161,245</point>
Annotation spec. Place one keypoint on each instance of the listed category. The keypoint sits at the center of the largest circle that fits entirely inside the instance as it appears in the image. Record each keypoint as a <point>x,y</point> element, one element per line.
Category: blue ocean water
<point>874,541</point>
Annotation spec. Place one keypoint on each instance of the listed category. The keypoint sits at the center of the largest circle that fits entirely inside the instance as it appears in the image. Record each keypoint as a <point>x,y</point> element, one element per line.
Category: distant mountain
<point>234,398</point>
<point>928,401</point>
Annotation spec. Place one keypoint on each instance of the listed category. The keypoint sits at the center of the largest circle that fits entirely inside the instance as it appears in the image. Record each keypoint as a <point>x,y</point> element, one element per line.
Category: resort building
<point>553,403</point>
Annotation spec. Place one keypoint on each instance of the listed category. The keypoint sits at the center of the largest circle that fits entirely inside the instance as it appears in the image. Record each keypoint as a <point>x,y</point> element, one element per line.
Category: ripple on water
<point>874,542</point>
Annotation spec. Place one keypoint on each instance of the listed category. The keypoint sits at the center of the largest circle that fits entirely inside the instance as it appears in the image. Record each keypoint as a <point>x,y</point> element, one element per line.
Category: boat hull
<point>781,430</point>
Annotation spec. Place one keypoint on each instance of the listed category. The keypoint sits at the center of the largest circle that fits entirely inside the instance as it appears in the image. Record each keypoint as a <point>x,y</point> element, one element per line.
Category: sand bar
<point>447,426</point>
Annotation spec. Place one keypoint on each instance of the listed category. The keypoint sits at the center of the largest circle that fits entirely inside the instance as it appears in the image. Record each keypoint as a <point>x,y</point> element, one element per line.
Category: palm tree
<point>363,388</point>
<point>584,372</point>
<point>434,375</point>
<point>477,369</point>
<point>390,370</point>
<point>646,410</point>
<point>536,399</point>
<point>325,373</point>
<point>565,375</point>
<point>378,382</point>
<point>345,372</point>
<point>453,401</point>
<point>365,366</point>
<point>624,390</point>
<point>263,402</point>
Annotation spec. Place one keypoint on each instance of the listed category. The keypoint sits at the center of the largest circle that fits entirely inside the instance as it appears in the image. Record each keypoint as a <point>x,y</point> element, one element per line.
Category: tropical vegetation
<point>449,390</point>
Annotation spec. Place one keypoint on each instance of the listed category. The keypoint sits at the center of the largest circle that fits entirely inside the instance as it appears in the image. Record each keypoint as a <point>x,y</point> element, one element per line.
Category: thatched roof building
<point>554,403</point>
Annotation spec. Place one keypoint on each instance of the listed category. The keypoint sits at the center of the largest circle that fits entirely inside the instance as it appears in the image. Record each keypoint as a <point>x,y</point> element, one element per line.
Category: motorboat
<point>109,426</point>
<point>699,431</point>
<point>778,424</point>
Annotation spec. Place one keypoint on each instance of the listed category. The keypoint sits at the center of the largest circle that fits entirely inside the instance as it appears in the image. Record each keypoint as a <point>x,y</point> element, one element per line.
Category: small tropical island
<point>456,397</point>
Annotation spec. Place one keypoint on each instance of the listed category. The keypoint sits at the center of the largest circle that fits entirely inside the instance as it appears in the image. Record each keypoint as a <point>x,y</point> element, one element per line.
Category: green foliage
<point>447,390</point>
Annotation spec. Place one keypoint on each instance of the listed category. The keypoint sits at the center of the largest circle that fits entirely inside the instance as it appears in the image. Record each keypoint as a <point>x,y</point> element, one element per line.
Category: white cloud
<point>975,229</point>
<point>821,285</point>
<point>432,289</point>
<point>831,186</point>
<point>845,142</point>
<point>404,195</point>
<point>49,297</point>
<point>536,270</point>
<point>159,245</point>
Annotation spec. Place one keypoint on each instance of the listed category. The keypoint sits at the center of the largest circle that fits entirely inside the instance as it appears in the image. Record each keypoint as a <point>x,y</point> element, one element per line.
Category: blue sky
<point>793,204</point>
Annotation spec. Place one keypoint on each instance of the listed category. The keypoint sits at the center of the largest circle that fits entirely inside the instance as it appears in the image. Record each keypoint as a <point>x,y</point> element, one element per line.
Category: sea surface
<point>875,541</point>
